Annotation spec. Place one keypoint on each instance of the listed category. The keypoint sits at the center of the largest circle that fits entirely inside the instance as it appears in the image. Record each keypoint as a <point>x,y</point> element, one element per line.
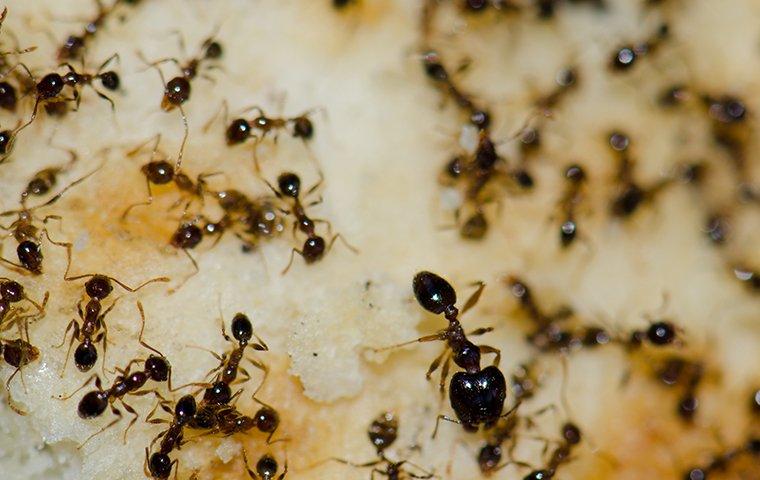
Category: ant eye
<point>624,58</point>
<point>433,292</point>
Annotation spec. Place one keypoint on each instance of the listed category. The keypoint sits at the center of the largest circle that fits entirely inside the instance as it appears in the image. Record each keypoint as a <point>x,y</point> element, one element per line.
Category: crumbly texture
<point>383,133</point>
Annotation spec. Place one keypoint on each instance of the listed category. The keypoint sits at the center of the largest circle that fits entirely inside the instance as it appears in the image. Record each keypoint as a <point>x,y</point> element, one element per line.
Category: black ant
<point>159,465</point>
<point>382,433</point>
<point>108,79</point>
<point>476,394</point>
<point>314,247</point>
<point>240,129</point>
<point>155,368</point>
<point>242,332</point>
<point>625,56</point>
<point>93,328</point>
<point>266,468</point>
<point>436,71</point>
<point>28,235</point>
<point>576,178</point>
<point>571,436</point>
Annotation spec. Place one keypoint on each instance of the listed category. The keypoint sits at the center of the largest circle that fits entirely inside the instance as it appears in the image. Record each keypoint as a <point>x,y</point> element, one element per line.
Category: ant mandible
<point>314,247</point>
<point>476,394</point>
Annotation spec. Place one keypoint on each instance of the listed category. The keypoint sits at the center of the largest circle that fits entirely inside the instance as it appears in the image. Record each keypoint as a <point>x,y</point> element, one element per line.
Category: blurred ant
<point>314,247</point>
<point>44,180</point>
<point>74,45</point>
<point>436,71</point>
<point>382,432</point>
<point>566,80</point>
<point>476,394</point>
<point>573,195</point>
<point>490,454</point>
<point>28,235</point>
<point>625,56</point>
<point>571,436</point>
<point>158,465</point>
<point>722,461</point>
<point>688,374</point>
<point>93,404</point>
<point>92,328</point>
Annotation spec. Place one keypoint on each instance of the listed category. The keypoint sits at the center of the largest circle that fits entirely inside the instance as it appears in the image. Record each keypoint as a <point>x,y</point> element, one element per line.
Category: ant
<point>28,235</point>
<point>13,292</point>
<point>74,45</point>
<point>436,71</point>
<point>242,332</point>
<point>156,368</point>
<point>382,432</point>
<point>266,468</point>
<point>314,247</point>
<point>571,436</point>
<point>108,79</point>
<point>476,394</point>
<point>258,216</point>
<point>93,328</point>
<point>159,465</point>
<point>490,454</point>
<point>576,178</point>
<point>748,276</point>
<point>624,57</point>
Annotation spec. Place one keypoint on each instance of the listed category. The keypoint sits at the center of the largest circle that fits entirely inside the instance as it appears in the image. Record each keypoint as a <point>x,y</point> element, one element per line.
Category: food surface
<point>222,219</point>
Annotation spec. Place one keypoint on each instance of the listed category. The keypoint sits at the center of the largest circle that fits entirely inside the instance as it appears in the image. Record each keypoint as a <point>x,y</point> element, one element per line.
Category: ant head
<point>489,457</point>
<point>158,368</point>
<point>475,227</point>
<point>289,184</point>
<point>219,393</point>
<point>185,409</point>
<point>160,465</point>
<point>238,131</point>
<point>267,419</point>
<point>187,236</point>
<point>575,173</point>
<point>30,255</point>
<point>214,50</point>
<point>159,172</point>
<point>313,249</point>
<point>176,93</point>
<point>267,467</point>
<point>92,404</point>
<point>433,293</point>
<point>19,353</point>
<point>661,333</point>
<point>98,287</point>
<point>11,291</point>
<point>383,431</point>
<point>8,97</point>
<point>303,128</point>
<point>85,356</point>
<point>571,433</point>
<point>467,356</point>
<point>50,86</point>
<point>242,330</point>
<point>110,80</point>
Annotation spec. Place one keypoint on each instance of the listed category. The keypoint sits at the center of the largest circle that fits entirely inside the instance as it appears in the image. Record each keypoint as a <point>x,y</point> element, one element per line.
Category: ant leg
<point>138,204</point>
<point>224,108</point>
<point>9,400</point>
<point>142,331</point>
<point>75,325</point>
<point>13,266</point>
<point>345,242</point>
<point>114,422</point>
<point>426,338</point>
<point>107,61</point>
<point>473,300</point>
<point>490,349</point>
<point>98,385</point>
<point>105,97</point>
<point>445,418</point>
<point>132,411</point>
<point>156,139</point>
<point>195,272</point>
<point>479,331</point>
<point>290,262</point>
<point>178,164</point>
<point>444,375</point>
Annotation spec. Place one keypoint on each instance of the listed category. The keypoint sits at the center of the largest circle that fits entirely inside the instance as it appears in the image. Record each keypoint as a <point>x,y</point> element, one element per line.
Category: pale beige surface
<point>381,145</point>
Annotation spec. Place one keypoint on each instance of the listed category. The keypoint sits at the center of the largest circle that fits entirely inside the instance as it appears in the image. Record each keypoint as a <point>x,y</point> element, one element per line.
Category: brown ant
<point>624,57</point>
<point>476,394</point>
<point>240,129</point>
<point>576,178</point>
<point>92,328</point>
<point>437,72</point>
<point>571,436</point>
<point>382,432</point>
<point>44,180</point>
<point>258,217</point>
<point>74,45</point>
<point>93,404</point>
<point>28,235</point>
<point>229,363</point>
<point>159,465</point>
<point>266,468</point>
<point>314,247</point>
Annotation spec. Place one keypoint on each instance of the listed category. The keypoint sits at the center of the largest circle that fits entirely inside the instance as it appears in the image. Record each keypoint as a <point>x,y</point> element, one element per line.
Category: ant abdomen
<point>478,397</point>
